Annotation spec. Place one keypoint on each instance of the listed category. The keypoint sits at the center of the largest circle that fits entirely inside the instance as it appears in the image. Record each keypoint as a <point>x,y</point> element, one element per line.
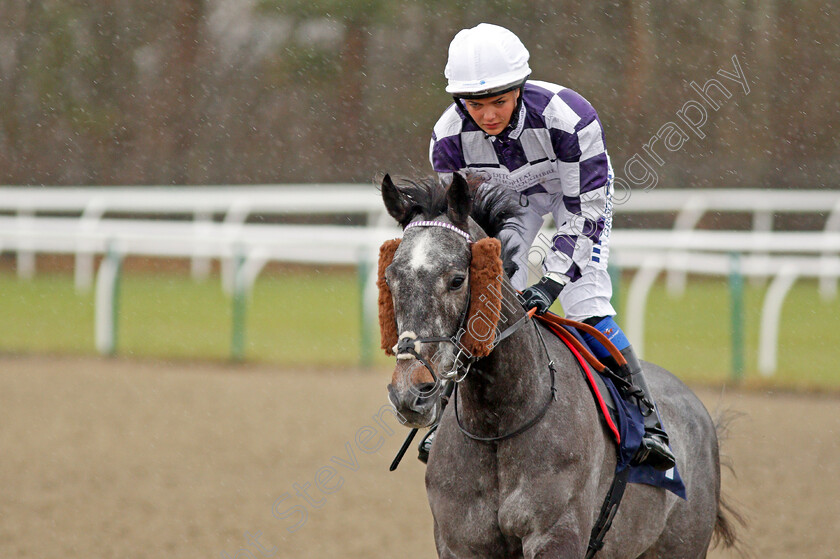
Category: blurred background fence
<point>720,120</point>
<point>106,226</point>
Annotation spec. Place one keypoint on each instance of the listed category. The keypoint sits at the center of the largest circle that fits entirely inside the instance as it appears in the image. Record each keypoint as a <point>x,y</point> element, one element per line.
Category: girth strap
<point>607,514</point>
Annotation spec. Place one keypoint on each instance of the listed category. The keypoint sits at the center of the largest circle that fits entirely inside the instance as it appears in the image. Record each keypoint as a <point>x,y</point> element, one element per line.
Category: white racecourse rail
<point>84,222</point>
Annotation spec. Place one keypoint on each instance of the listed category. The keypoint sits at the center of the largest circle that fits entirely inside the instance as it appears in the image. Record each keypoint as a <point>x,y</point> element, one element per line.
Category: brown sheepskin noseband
<point>485,303</point>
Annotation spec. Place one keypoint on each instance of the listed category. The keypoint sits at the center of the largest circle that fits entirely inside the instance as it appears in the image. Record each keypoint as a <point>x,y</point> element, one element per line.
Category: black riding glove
<point>541,295</point>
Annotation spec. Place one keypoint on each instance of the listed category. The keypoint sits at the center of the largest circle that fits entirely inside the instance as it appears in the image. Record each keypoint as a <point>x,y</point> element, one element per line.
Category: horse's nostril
<point>426,388</point>
<point>425,392</point>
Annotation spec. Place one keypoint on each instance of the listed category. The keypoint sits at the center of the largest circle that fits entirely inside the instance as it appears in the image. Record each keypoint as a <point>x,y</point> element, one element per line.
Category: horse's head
<point>440,292</point>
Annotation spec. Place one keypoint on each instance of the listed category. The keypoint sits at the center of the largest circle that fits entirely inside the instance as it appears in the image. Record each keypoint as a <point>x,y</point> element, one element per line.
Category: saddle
<point>623,419</point>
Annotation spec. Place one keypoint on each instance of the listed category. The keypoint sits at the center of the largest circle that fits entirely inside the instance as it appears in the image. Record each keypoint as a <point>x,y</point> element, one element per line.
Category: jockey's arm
<point>581,212</point>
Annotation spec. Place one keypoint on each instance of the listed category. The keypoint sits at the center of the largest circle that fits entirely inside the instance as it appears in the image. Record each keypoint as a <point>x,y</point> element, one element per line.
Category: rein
<point>409,346</point>
<point>609,507</point>
<point>552,397</point>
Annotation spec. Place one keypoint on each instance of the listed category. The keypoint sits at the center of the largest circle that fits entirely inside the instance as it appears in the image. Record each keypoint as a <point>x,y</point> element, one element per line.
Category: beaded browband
<point>440,224</point>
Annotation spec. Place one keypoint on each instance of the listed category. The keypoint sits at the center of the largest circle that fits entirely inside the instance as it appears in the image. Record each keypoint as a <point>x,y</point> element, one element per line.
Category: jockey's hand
<point>542,294</point>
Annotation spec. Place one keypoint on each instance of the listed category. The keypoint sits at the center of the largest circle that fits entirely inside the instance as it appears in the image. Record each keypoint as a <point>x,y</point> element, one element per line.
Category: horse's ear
<point>387,318</point>
<point>459,201</point>
<point>396,204</point>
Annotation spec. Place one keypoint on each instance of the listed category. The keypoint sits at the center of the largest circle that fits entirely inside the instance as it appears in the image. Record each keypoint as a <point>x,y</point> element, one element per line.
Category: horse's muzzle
<point>418,404</point>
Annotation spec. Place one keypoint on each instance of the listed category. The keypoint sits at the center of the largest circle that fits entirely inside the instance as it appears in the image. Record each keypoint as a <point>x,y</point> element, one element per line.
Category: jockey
<point>544,142</point>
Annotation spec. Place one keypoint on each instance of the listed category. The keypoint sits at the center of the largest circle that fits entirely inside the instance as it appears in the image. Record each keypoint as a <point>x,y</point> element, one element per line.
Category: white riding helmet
<point>485,60</point>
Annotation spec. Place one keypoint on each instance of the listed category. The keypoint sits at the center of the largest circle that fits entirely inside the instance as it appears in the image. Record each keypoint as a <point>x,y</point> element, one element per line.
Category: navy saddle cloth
<point>629,423</point>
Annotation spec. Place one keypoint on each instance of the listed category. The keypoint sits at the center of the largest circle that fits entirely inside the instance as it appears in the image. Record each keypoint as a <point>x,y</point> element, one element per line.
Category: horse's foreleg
<point>443,550</point>
<point>562,542</point>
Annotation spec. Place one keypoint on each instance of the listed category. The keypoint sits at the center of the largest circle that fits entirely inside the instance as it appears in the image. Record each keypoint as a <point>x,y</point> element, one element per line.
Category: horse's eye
<point>456,282</point>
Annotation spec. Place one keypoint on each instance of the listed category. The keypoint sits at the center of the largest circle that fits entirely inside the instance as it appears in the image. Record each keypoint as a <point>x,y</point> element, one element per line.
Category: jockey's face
<point>492,114</point>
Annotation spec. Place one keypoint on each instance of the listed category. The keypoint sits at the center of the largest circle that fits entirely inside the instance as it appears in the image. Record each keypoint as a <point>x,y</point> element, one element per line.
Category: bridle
<point>408,345</point>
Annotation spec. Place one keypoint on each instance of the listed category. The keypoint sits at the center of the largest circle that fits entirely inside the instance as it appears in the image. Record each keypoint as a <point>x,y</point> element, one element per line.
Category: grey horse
<point>537,494</point>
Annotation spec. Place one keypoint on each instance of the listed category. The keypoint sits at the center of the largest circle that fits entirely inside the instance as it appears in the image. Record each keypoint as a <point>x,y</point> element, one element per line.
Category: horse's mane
<point>492,208</point>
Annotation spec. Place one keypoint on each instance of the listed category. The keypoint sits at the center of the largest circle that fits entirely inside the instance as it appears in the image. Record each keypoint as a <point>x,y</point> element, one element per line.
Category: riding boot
<point>654,450</point>
<point>426,445</point>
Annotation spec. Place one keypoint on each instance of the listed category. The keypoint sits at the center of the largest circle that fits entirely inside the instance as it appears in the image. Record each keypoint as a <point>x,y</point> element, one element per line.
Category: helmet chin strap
<point>514,118</point>
<point>460,103</point>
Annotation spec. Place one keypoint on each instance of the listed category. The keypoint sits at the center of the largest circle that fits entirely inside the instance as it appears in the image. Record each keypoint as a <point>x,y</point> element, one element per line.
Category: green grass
<point>691,335</point>
<point>291,319</point>
<point>312,319</point>
<point>44,315</point>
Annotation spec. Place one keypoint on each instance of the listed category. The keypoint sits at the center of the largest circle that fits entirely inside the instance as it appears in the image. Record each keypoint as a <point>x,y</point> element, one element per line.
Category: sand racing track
<point>124,459</point>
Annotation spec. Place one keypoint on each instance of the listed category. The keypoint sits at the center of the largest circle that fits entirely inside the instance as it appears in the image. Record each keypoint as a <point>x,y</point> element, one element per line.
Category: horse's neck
<point>510,381</point>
